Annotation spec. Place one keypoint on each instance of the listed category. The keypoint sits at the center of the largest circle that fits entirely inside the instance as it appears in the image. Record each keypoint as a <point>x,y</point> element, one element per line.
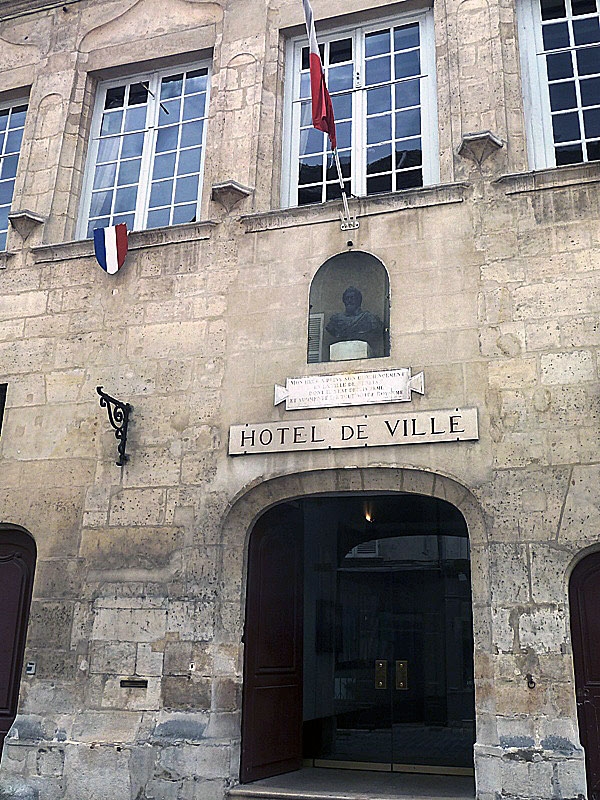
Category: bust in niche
<point>355,324</point>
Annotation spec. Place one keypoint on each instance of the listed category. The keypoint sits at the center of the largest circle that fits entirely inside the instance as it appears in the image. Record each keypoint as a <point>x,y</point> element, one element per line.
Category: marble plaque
<point>349,389</point>
<point>375,430</point>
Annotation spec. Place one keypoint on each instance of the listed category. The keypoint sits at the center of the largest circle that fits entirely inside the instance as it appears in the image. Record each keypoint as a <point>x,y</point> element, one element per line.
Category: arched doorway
<point>17,566</point>
<point>584,599</point>
<point>359,637</point>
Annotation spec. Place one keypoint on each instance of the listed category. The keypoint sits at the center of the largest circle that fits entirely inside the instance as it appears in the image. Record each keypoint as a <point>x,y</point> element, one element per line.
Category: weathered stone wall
<point>494,295</point>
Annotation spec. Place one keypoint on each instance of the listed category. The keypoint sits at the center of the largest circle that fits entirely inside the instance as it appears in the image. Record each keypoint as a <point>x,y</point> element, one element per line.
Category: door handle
<point>381,674</point>
<point>402,675</point>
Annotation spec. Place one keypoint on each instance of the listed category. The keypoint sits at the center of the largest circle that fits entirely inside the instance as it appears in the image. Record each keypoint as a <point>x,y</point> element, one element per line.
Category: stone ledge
<point>442,194</point>
<point>138,240</point>
<point>5,257</point>
<point>556,178</point>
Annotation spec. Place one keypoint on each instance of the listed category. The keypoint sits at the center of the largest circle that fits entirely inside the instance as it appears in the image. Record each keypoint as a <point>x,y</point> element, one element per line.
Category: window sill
<point>374,205</point>
<point>138,240</point>
<point>555,178</point>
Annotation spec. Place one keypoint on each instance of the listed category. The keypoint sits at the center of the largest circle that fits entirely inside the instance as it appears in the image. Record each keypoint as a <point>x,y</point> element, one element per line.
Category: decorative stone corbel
<point>479,146</point>
<point>24,222</point>
<point>229,193</point>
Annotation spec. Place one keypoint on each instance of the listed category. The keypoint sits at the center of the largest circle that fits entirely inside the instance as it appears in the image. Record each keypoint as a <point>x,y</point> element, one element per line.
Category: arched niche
<point>334,317</point>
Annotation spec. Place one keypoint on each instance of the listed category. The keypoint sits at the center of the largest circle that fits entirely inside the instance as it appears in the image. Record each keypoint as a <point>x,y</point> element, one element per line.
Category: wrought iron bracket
<point>118,416</point>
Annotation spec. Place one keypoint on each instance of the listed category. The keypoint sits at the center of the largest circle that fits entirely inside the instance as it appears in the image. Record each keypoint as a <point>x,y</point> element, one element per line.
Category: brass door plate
<point>381,674</point>
<point>402,675</point>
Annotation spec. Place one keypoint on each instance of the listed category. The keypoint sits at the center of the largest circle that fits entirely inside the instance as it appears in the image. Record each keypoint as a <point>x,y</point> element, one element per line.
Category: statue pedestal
<point>346,351</point>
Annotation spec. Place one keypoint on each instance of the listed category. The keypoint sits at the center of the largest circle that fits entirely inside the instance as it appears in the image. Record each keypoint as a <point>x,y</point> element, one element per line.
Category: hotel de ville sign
<point>366,430</point>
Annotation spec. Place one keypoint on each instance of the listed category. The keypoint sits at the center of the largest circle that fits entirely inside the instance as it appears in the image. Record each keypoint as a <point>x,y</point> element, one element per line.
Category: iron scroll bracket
<point>118,416</point>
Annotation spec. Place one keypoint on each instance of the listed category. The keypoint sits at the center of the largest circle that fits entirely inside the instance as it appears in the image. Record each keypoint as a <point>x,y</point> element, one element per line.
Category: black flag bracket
<point>118,416</point>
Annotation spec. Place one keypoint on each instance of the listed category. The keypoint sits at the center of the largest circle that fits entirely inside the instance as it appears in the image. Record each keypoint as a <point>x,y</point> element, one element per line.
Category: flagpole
<point>348,224</point>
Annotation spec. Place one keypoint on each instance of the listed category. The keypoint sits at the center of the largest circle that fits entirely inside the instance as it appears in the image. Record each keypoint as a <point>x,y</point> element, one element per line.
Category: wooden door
<point>17,564</point>
<point>272,700</point>
<point>584,595</point>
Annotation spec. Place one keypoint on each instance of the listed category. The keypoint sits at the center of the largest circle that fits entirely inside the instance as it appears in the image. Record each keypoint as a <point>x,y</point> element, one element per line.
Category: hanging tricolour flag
<point>110,245</point>
<point>322,108</point>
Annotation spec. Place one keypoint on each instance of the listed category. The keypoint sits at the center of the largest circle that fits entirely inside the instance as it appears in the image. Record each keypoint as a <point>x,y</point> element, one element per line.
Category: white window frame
<point>429,115</point>
<point>152,79</point>
<point>14,102</point>
<point>536,94</point>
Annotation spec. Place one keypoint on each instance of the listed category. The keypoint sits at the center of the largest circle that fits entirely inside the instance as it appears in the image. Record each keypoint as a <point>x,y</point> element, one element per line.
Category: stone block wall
<point>141,571</point>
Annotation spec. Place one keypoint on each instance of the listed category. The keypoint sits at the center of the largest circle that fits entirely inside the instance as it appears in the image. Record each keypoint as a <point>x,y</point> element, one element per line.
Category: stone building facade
<point>493,265</point>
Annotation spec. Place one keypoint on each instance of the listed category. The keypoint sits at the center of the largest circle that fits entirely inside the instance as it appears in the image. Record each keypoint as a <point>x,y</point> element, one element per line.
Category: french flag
<point>110,245</point>
<point>322,108</point>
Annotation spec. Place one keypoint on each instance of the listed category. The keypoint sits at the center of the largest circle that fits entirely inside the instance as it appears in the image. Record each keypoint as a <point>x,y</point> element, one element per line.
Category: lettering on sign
<point>349,389</point>
<point>375,430</point>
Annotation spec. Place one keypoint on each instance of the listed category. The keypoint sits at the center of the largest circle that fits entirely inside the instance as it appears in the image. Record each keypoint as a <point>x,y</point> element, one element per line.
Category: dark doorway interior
<point>17,566</point>
<point>584,596</point>
<point>387,641</point>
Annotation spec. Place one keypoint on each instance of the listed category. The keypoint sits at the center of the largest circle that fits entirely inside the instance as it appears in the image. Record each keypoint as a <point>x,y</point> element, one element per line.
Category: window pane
<point>553,9</point>
<point>105,176</point>
<point>409,154</point>
<point>593,149</point>
<point>158,219</point>
<point>101,204</point>
<point>571,154</point>
<point>111,123</point>
<point>169,112</point>
<point>379,129</point>
<point>407,64</point>
<point>125,200</point>
<point>4,217</point>
<point>196,81</point>
<point>305,58</point>
<point>182,214</point>
<point>382,183</point>
<point>186,189</point>
<point>135,119</point>
<point>311,141</point>
<point>94,224</point>
<point>340,78</point>
<point>340,51</point>
<point>377,43</point>
<point>342,107</point>
<point>6,191</point>
<point>128,219</point>
<point>588,61</point>
<point>4,119</point>
<point>565,127</point>
<point>2,241</point>
<point>17,117</point>
<point>331,172</point>
<point>108,150</point>
<point>115,98</point>
<point>310,194</point>
<point>379,159</point>
<point>559,65</point>
<point>591,122</point>
<point>408,93</point>
<point>13,141</point>
<point>132,145</point>
<point>378,70</point>
<point>555,36</point>
<point>562,96</point>
<point>333,191</point>
<point>408,123</point>
<point>344,134</point>
<point>406,36</point>
<point>138,94</point>
<point>191,133</point>
<point>164,166</point>
<point>583,7</point>
<point>311,170</point>
<point>590,92</point>
<point>305,85</point>
<point>586,31</point>
<point>306,114</point>
<point>189,161</point>
<point>9,166</point>
<point>161,194</point>
<point>129,171</point>
<point>379,100</point>
<point>167,138</point>
<point>411,179</point>
<point>171,86</point>
<point>193,107</point>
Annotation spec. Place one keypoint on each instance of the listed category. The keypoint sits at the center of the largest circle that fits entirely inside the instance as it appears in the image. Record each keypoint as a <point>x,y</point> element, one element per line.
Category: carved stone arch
<point>335,333</point>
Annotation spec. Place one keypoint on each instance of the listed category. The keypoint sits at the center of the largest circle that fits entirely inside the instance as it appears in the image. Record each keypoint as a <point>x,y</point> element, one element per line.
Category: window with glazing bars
<point>12,123</point>
<point>561,60</point>
<point>147,151</point>
<point>382,83</point>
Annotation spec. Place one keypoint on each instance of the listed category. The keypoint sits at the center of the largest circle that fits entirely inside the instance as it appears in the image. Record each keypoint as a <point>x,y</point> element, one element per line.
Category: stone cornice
<point>422,197</point>
<point>138,240</point>
<point>557,178</point>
